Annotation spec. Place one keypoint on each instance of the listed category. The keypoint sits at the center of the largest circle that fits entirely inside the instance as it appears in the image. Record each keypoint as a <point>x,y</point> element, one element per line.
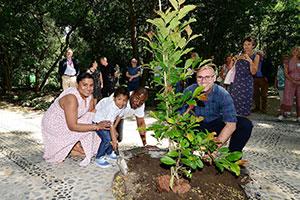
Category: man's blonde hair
<point>209,66</point>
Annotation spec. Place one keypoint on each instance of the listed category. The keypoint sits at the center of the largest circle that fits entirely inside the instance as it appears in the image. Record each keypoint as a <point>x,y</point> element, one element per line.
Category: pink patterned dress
<point>291,89</point>
<point>59,140</point>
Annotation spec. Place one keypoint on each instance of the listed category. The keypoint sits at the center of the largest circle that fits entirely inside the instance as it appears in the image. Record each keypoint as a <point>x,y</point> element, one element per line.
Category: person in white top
<point>68,70</point>
<point>135,107</point>
<point>110,109</point>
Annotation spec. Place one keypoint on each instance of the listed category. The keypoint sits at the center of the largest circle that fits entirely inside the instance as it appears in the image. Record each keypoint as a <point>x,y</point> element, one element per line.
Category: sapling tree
<point>189,147</point>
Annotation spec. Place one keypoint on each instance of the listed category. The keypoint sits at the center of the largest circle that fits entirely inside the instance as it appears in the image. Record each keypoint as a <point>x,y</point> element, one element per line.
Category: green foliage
<point>188,146</point>
<point>228,160</point>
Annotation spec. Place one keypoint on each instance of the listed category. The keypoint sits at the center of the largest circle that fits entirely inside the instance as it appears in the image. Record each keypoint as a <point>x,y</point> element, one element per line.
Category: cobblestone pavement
<point>273,153</point>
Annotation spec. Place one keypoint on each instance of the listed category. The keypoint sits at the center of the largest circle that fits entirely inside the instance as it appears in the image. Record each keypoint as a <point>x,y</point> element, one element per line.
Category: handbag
<point>229,78</point>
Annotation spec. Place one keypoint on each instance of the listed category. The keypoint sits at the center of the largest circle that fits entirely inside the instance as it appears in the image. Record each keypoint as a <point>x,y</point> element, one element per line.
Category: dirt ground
<point>140,182</point>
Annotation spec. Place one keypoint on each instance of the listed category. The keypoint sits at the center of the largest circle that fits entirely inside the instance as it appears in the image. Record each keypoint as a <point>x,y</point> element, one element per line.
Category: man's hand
<point>143,137</point>
<point>114,144</point>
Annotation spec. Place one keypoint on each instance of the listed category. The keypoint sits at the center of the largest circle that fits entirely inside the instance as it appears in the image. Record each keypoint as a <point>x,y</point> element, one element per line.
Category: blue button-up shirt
<point>219,104</point>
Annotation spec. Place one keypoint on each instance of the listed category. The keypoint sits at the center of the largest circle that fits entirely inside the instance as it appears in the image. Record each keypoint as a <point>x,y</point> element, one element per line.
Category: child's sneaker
<point>112,156</point>
<point>101,162</point>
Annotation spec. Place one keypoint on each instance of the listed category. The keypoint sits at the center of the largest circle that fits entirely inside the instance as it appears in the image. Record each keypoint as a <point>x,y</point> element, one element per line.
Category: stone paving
<point>273,153</point>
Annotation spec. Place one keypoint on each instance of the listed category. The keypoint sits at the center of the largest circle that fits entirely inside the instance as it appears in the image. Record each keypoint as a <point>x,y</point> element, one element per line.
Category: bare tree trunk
<point>7,73</point>
<point>57,59</point>
<point>133,31</point>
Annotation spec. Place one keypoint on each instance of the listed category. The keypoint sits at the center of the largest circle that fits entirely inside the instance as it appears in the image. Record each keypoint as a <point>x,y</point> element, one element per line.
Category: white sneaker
<point>280,118</point>
<point>112,156</point>
<point>101,162</point>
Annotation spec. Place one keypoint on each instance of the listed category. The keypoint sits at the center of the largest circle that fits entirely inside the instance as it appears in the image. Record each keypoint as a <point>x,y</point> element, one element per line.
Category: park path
<point>273,153</point>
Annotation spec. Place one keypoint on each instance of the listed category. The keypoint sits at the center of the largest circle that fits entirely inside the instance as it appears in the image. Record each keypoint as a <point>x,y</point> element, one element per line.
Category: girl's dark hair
<point>250,39</point>
<point>121,91</point>
<point>83,75</point>
<point>92,62</point>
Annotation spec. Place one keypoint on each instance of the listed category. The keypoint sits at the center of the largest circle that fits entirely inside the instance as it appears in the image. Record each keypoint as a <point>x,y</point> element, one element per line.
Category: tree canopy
<point>35,34</point>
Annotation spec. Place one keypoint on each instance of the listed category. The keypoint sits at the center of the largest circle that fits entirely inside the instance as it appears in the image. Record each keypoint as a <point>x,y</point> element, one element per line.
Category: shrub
<point>188,146</point>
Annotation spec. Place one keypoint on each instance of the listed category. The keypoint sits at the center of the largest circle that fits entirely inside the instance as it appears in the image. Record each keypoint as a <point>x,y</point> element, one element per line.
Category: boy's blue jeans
<point>105,145</point>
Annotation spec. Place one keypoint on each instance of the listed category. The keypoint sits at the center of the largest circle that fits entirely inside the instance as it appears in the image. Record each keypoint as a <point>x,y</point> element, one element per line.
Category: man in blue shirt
<point>219,112</point>
<point>261,83</point>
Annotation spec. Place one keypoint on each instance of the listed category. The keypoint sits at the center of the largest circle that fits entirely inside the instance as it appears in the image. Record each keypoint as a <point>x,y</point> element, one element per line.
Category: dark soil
<point>140,182</point>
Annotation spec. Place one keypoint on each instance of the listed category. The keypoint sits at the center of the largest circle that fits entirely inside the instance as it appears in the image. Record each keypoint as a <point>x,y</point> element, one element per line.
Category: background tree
<point>34,36</point>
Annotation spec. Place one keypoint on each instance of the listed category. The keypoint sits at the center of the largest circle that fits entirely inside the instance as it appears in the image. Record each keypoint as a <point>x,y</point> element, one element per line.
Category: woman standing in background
<point>292,85</point>
<point>246,66</point>
<point>98,80</point>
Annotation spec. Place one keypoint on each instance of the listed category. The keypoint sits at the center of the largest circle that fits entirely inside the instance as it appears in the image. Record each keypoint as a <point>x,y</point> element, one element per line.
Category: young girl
<point>109,108</point>
<point>280,78</point>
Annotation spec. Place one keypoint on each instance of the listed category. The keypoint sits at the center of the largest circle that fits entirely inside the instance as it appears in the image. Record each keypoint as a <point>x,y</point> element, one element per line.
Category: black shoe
<point>244,171</point>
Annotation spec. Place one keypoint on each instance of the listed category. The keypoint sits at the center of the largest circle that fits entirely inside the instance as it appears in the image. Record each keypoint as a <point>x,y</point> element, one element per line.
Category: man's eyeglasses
<point>206,78</point>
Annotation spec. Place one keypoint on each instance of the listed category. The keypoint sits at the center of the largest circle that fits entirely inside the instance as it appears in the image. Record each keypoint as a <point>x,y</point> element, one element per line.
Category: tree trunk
<point>133,31</point>
<point>57,59</point>
<point>7,73</point>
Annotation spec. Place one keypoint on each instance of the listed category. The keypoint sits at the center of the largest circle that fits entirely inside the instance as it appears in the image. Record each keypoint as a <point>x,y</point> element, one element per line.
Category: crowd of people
<point>87,118</point>
<point>247,77</point>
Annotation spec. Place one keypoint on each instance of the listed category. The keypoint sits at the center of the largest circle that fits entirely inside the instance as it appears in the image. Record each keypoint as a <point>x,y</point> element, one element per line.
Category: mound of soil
<point>141,182</point>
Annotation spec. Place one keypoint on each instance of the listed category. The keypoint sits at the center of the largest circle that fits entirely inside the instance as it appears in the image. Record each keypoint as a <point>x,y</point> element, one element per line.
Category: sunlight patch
<point>265,125</point>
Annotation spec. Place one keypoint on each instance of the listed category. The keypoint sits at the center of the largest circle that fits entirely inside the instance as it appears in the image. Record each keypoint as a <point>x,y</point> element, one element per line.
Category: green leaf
<point>174,23</point>
<point>190,136</point>
<point>153,114</point>
<point>189,163</point>
<point>225,163</point>
<point>223,150</point>
<point>176,133</point>
<point>173,153</point>
<point>188,63</point>
<point>157,22</point>
<point>186,152</point>
<point>170,16</point>
<point>235,168</point>
<point>191,102</point>
<point>170,120</point>
<point>234,156</point>
<point>199,138</point>
<point>174,4</point>
<point>199,163</point>
<point>167,160</point>
<point>185,10</point>
<point>180,2</point>
<point>191,20</point>
<point>186,51</point>
<point>194,36</point>
<point>182,43</point>
<point>197,91</point>
<point>184,143</point>
<point>204,62</point>
<point>219,166</point>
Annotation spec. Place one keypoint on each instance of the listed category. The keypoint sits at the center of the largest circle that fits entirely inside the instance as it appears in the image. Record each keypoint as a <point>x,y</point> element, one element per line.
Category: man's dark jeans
<point>105,145</point>
<point>240,136</point>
